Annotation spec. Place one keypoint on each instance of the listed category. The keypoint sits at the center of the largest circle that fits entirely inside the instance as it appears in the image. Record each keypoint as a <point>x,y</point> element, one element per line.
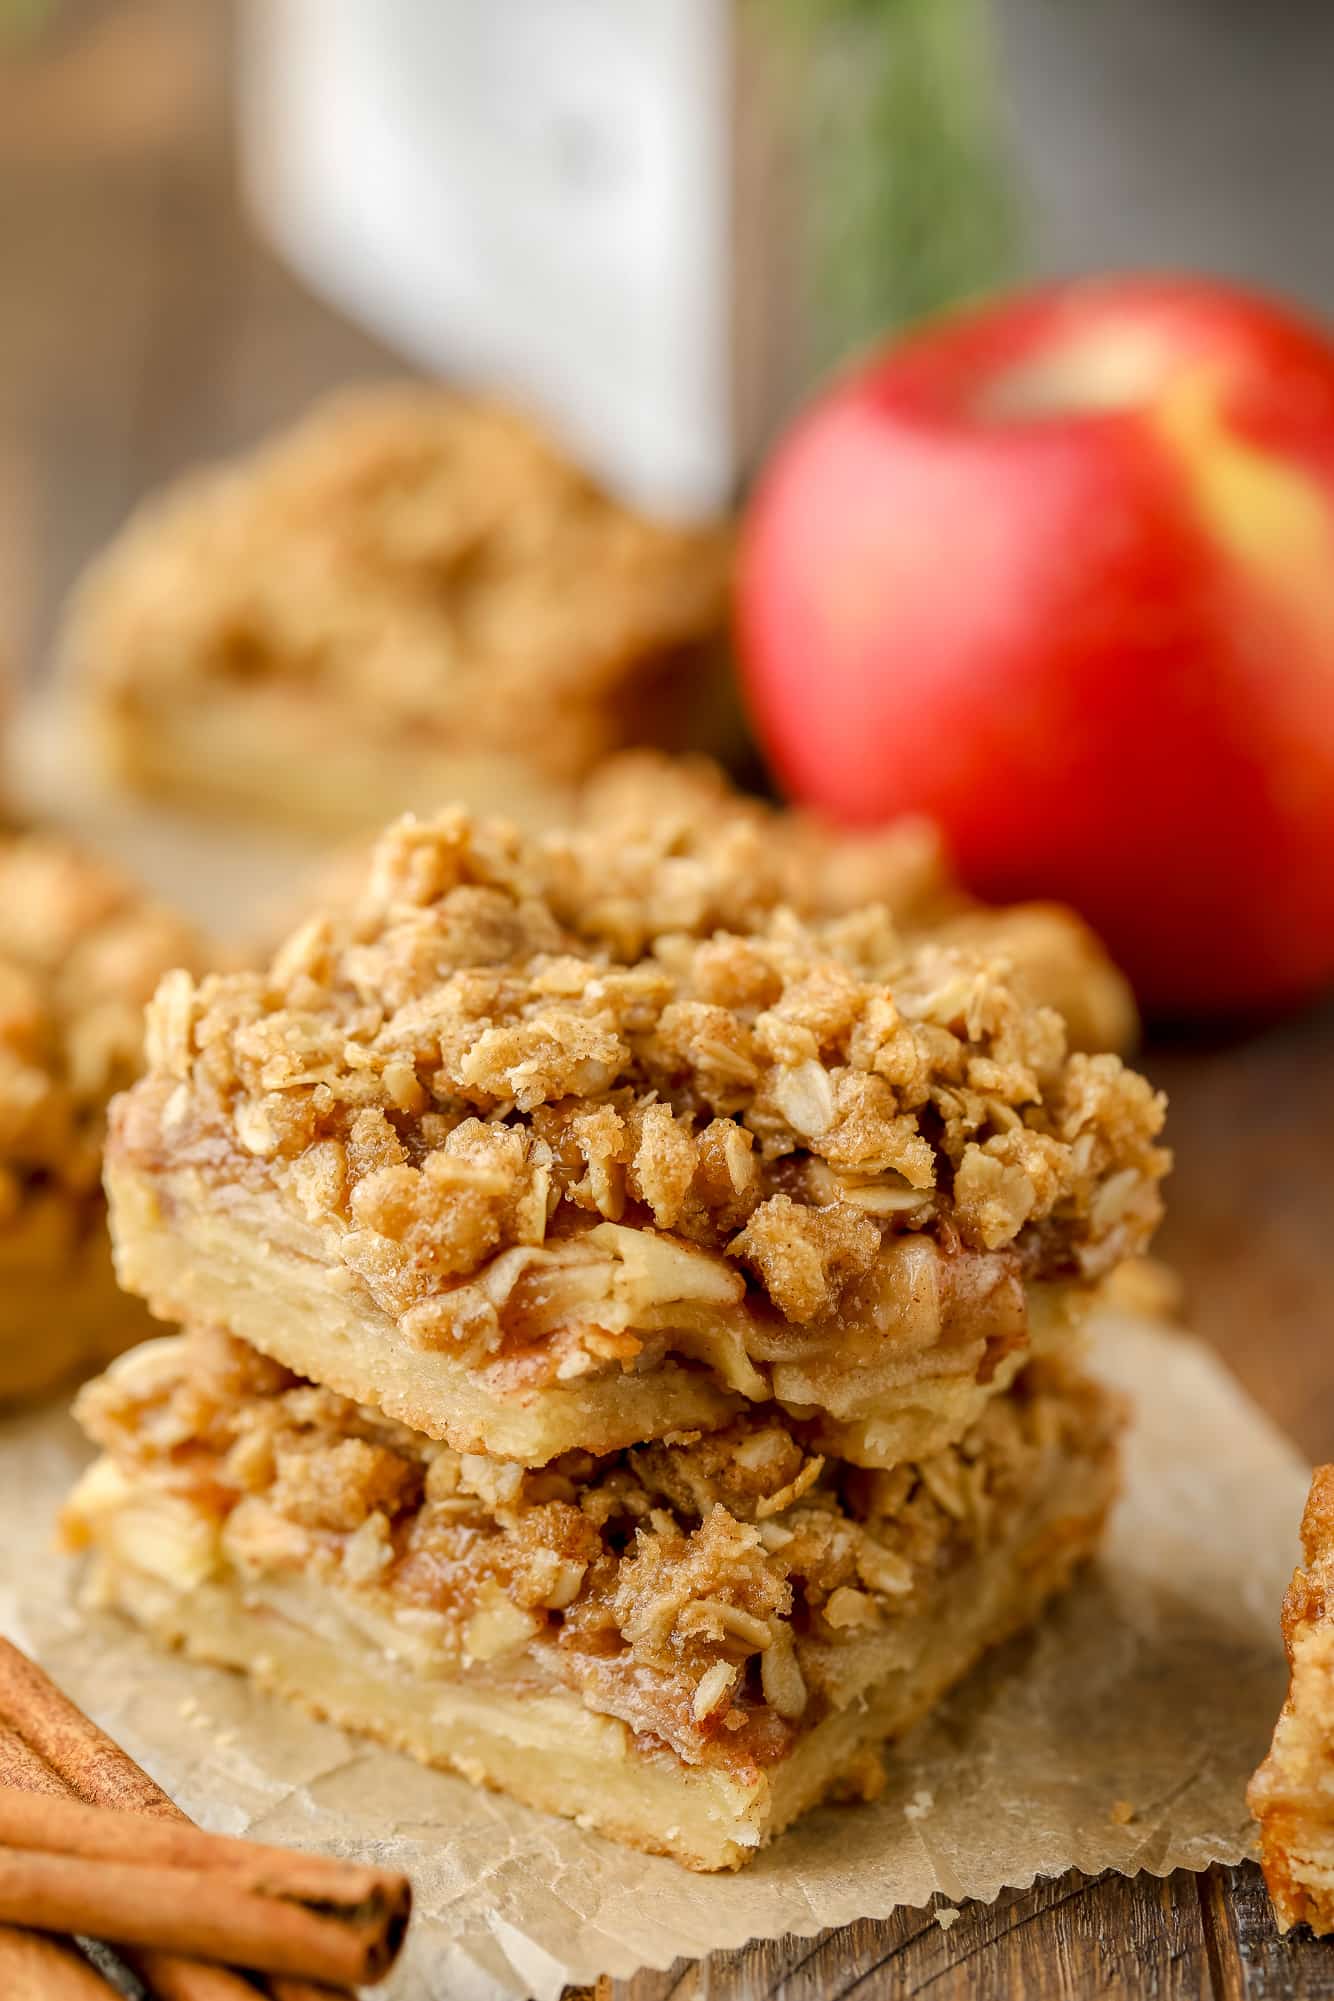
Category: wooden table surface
<point>142,326</point>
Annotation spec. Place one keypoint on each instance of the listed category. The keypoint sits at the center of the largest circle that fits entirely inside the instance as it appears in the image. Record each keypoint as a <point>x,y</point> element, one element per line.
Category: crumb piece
<point>946,1915</point>
<point>920,1805</point>
<point>865,1779</point>
<point>1123,1812</point>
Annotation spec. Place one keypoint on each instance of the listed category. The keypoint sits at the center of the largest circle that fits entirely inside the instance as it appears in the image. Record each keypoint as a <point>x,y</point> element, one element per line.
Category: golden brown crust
<point>457,1085</point>
<point>413,563</point>
<point>717,1593</point>
<point>1292,1793</point>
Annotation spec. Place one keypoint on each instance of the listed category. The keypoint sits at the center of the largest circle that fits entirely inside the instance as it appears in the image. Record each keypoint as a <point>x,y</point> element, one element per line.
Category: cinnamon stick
<point>166,1976</point>
<point>36,1968</point>
<point>82,1760</point>
<point>142,1880</point>
<point>92,1764</point>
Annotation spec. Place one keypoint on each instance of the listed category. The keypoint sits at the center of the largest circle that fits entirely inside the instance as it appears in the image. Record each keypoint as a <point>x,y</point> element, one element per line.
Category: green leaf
<point>910,204</point>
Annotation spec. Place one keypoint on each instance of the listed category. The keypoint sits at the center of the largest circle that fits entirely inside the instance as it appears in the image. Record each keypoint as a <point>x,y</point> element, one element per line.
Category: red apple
<point>1060,574</point>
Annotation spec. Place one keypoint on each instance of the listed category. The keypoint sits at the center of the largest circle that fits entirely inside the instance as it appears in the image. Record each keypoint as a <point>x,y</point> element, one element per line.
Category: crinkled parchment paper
<point>1155,1683</point>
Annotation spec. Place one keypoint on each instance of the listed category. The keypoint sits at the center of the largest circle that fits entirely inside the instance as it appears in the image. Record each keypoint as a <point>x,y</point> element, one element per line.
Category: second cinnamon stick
<point>34,1968</point>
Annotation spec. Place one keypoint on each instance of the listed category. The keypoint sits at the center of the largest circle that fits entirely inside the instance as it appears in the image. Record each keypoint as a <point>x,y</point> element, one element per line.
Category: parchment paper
<point>1155,1684</point>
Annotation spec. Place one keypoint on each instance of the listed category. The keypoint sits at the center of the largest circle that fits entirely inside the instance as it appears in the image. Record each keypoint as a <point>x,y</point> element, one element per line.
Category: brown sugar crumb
<point>702,1590</point>
<point>340,1487</point>
<point>449,1071</point>
<point>804,1256</point>
<point>682,850</point>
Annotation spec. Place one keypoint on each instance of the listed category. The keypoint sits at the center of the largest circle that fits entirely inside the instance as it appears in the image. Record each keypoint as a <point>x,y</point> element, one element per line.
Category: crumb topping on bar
<point>413,556</point>
<point>660,845</point>
<point>81,951</point>
<point>667,844</point>
<point>709,1590</point>
<point>456,1082</point>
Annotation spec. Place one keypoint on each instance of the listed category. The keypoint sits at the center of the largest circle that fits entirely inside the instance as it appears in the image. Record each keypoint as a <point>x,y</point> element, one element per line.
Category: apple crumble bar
<point>1292,1794</point>
<point>411,597</point>
<point>467,1154</point>
<point>684,1645</point>
<point>81,950</point>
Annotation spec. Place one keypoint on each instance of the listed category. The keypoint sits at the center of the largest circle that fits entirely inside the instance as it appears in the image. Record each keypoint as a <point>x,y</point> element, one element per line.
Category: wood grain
<point>1249,1210</point>
<point>143,326</point>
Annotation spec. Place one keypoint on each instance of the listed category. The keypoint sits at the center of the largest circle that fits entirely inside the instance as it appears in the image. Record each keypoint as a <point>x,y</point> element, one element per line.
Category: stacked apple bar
<point>635,1362</point>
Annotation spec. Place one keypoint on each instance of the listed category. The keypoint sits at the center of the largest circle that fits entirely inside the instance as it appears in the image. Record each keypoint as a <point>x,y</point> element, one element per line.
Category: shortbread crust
<point>1292,1794</point>
<point>685,1645</point>
<point>453,1156</point>
<point>407,598</point>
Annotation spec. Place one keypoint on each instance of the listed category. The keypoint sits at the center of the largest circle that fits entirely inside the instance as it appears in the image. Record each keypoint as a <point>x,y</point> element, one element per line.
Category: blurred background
<point>653,221</point>
<point>661,218</point>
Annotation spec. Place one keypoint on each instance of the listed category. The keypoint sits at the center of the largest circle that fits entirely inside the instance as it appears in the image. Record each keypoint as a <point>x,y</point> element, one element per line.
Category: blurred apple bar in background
<point>568,1144</point>
<point>410,597</point>
<point>683,1646</point>
<point>81,950</point>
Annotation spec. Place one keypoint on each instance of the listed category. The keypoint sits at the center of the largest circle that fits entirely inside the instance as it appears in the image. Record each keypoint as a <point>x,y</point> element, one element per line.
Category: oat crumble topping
<point>668,844</point>
<point>659,844</point>
<point>664,844</point>
<point>457,1080</point>
<point>705,1589</point>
